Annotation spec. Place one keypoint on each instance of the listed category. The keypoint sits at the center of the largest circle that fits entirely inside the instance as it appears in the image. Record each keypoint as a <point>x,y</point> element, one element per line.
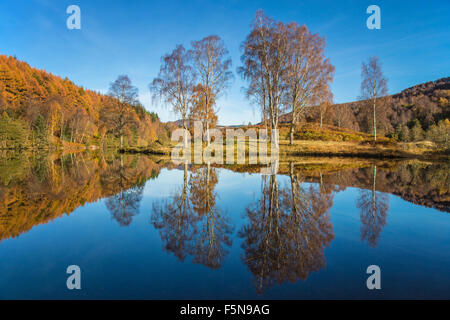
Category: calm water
<point>144,228</point>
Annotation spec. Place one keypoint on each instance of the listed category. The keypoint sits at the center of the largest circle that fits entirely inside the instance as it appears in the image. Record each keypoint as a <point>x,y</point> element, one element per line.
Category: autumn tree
<point>373,86</point>
<point>344,117</point>
<point>198,108</point>
<point>308,73</point>
<point>126,95</point>
<point>212,66</point>
<point>264,54</point>
<point>175,82</point>
<point>324,112</point>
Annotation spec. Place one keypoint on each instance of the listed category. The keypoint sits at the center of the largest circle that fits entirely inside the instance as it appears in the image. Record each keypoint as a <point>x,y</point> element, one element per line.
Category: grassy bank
<point>310,140</point>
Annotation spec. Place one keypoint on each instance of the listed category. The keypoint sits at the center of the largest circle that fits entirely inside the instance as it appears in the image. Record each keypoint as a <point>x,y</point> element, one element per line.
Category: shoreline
<point>305,148</point>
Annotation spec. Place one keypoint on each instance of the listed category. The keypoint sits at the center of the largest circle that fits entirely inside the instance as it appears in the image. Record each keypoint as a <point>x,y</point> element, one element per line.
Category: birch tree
<point>308,73</point>
<point>175,82</point>
<point>264,65</point>
<point>373,86</point>
<point>213,68</point>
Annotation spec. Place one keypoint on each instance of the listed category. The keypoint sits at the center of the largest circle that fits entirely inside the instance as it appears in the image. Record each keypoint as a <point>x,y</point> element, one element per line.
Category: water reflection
<point>176,221</point>
<point>124,205</point>
<point>191,223</point>
<point>35,189</point>
<point>374,207</point>
<point>282,232</point>
<point>288,230</point>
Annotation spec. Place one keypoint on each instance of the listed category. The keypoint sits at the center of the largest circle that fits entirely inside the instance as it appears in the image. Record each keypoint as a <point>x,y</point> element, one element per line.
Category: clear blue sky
<point>129,37</point>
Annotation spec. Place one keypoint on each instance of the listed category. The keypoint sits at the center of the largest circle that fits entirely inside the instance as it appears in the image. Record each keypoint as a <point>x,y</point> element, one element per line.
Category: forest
<point>44,111</point>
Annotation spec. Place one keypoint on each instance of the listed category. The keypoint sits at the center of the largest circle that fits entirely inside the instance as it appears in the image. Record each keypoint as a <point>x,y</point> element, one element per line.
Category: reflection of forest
<point>190,222</point>
<point>422,183</point>
<point>289,227</point>
<point>426,184</point>
<point>286,229</point>
<point>35,190</point>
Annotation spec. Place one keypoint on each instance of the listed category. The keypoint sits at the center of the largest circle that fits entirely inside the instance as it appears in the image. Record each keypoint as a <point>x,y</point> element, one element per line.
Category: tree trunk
<point>207,122</point>
<point>321,118</point>
<point>291,134</point>
<point>121,141</point>
<point>374,200</point>
<point>207,132</point>
<point>185,133</point>
<point>374,122</point>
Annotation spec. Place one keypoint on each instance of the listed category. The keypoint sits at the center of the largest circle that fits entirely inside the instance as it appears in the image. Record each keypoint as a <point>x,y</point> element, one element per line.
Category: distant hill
<point>427,103</point>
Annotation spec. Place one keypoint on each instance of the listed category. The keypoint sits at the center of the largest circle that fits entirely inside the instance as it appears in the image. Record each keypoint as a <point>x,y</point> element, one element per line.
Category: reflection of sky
<point>130,262</point>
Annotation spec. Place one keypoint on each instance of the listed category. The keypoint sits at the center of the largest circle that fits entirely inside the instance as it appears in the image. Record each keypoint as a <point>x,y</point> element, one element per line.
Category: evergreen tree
<point>13,134</point>
<point>417,133</point>
<point>40,133</point>
<point>403,134</point>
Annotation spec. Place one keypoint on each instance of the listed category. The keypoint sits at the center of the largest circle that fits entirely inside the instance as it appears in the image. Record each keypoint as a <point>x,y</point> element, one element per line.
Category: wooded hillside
<point>421,112</point>
<point>38,109</point>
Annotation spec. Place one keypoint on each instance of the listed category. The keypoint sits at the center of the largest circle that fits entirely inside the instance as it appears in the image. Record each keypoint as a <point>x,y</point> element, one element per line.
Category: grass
<point>311,140</point>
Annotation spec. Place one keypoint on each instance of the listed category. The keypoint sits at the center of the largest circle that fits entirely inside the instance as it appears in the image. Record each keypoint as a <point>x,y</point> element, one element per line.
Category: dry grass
<point>311,140</point>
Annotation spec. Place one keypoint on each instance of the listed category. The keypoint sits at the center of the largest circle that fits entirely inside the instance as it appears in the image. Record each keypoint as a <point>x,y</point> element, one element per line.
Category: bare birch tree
<point>175,82</point>
<point>264,64</point>
<point>308,73</point>
<point>212,65</point>
<point>373,86</point>
<point>126,95</point>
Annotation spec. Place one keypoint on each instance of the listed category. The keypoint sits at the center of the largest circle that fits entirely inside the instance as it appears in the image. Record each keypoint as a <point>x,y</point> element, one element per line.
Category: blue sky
<point>129,37</point>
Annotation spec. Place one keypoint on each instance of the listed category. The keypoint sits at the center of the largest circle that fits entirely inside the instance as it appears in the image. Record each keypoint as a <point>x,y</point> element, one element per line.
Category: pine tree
<point>403,134</point>
<point>417,132</point>
<point>13,134</point>
<point>40,133</point>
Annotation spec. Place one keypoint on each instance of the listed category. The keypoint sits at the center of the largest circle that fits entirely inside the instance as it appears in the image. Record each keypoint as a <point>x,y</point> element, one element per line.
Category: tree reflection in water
<point>287,232</point>
<point>175,220</point>
<point>374,207</point>
<point>190,222</point>
<point>124,205</point>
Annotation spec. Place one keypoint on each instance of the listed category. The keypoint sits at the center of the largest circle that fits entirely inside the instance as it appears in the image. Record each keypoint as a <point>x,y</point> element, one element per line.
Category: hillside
<point>416,108</point>
<point>39,109</point>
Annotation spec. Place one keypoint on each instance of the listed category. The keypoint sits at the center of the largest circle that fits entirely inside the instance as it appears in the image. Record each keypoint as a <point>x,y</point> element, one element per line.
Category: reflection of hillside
<point>37,190</point>
<point>422,183</point>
